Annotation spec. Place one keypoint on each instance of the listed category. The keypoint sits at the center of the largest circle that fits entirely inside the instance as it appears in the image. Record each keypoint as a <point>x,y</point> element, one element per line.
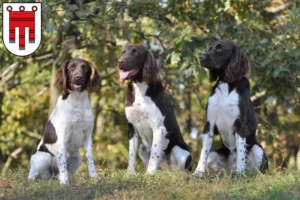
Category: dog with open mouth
<point>149,113</point>
<point>70,125</point>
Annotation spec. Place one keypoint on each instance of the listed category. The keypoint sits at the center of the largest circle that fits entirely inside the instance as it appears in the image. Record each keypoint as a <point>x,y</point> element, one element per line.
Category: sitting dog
<point>149,113</point>
<point>230,113</point>
<point>70,125</point>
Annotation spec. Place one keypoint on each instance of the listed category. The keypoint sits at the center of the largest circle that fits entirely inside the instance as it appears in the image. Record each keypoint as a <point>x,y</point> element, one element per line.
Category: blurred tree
<point>176,32</point>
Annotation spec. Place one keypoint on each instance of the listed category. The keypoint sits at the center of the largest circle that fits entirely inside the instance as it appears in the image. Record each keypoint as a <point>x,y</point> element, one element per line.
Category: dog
<point>230,113</point>
<point>70,125</point>
<point>149,113</point>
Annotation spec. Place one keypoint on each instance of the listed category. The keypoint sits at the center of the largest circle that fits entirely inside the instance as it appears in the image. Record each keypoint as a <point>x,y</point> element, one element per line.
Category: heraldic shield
<point>22,27</point>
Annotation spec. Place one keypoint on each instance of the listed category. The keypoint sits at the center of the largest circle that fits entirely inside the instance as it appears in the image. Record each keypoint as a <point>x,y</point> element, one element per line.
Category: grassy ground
<point>163,185</point>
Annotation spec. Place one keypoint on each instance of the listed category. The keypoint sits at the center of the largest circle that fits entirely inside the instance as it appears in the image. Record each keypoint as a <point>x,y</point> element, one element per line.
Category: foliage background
<point>176,31</point>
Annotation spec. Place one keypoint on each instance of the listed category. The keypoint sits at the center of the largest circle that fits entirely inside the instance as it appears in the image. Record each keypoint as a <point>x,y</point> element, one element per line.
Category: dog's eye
<point>134,52</point>
<point>123,52</point>
<point>219,48</point>
<point>83,67</point>
<point>209,48</point>
<point>72,68</point>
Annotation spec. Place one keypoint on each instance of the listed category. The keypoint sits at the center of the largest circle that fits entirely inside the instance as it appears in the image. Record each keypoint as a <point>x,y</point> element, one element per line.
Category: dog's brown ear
<point>151,71</point>
<point>238,67</point>
<point>94,81</point>
<point>62,80</point>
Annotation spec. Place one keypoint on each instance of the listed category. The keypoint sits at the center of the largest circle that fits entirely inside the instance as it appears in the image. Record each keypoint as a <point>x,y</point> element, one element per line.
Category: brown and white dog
<point>230,113</point>
<point>149,113</point>
<point>70,125</point>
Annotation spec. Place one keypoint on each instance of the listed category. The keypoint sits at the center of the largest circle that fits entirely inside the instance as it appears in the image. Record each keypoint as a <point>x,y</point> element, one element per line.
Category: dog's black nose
<point>202,57</point>
<point>78,77</point>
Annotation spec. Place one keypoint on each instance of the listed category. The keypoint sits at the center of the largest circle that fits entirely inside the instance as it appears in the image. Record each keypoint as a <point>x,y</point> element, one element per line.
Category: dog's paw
<point>64,180</point>
<point>198,174</point>
<point>151,172</point>
<point>95,176</point>
<point>31,178</point>
<point>238,175</point>
<point>130,171</point>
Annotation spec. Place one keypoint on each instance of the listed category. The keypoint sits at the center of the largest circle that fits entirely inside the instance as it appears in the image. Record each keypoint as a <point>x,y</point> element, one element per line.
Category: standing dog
<point>70,125</point>
<point>230,113</point>
<point>149,113</point>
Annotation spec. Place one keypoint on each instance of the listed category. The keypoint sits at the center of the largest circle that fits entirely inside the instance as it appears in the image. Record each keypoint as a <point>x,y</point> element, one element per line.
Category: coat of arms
<point>21,27</point>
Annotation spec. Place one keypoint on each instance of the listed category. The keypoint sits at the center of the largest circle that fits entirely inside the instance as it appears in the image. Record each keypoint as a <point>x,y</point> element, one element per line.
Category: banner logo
<point>22,27</point>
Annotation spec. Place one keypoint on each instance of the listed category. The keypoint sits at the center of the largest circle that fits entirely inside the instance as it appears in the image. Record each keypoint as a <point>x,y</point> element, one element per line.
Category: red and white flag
<point>22,27</point>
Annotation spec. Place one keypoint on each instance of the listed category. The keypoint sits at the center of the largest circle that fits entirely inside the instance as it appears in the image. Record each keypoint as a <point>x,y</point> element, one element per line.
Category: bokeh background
<point>176,31</point>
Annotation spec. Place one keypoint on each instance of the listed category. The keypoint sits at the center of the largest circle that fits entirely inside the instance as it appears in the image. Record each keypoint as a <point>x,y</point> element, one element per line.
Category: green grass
<point>163,185</point>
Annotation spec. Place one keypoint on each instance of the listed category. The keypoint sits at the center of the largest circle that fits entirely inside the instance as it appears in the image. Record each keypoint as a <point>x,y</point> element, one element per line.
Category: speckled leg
<point>207,140</point>
<point>62,162</point>
<point>133,145</point>
<point>159,144</point>
<point>87,146</point>
<point>241,153</point>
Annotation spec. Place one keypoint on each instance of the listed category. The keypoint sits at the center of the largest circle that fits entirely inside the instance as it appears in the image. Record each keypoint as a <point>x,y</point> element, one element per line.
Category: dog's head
<point>78,75</point>
<point>138,63</point>
<point>225,56</point>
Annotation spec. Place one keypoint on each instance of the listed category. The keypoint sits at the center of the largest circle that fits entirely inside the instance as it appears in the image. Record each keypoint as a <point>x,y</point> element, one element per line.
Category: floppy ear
<point>238,67</point>
<point>213,76</point>
<point>62,80</point>
<point>151,72</point>
<point>94,81</point>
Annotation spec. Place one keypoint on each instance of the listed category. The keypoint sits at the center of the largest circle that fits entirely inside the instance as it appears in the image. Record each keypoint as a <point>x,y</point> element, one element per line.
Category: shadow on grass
<point>74,192</point>
<point>284,192</point>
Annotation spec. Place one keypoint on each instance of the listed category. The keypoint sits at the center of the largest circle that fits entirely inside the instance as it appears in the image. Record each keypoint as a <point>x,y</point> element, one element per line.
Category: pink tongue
<point>124,74</point>
<point>76,86</point>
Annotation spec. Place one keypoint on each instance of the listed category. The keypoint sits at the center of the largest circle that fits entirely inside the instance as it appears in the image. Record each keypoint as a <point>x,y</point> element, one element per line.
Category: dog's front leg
<point>159,144</point>
<point>240,147</point>
<point>62,161</point>
<point>87,146</point>
<point>133,145</point>
<point>241,153</point>
<point>207,140</point>
<point>240,139</point>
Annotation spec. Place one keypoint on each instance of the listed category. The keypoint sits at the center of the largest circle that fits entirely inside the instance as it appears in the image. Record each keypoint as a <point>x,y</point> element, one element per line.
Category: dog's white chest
<point>144,115</point>
<point>222,111</point>
<point>76,108</point>
<point>76,135</point>
<point>73,119</point>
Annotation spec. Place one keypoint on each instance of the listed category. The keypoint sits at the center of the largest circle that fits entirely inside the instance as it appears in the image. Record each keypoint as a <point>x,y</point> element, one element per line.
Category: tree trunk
<point>54,93</point>
<point>1,100</point>
<point>188,104</point>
